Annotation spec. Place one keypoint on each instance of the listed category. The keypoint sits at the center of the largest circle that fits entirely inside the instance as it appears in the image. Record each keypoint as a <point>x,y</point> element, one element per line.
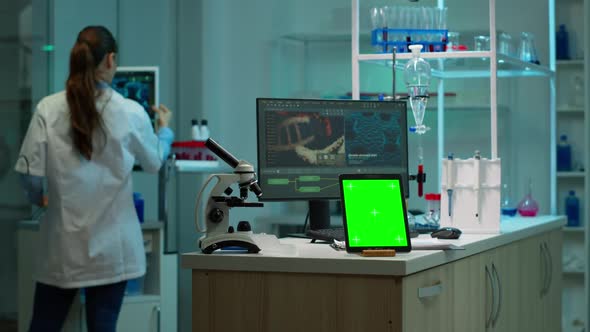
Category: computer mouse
<point>446,233</point>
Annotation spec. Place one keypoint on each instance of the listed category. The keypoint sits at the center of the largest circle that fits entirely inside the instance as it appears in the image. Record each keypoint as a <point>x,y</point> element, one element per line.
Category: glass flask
<point>508,207</point>
<point>528,207</point>
<point>417,75</point>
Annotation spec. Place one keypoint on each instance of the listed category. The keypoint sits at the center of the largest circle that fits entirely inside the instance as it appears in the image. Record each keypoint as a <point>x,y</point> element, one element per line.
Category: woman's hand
<point>164,115</point>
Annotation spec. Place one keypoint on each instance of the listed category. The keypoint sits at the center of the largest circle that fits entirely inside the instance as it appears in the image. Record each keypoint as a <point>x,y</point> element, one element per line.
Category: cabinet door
<point>139,316</point>
<point>532,272</point>
<point>427,300</point>
<point>469,294</point>
<point>552,293</point>
<point>504,267</point>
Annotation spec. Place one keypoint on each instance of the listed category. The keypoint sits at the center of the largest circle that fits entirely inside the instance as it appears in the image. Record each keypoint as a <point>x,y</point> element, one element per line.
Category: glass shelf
<point>573,62</point>
<point>578,229</point>
<point>570,110</point>
<point>570,174</point>
<point>465,64</point>
<point>197,166</point>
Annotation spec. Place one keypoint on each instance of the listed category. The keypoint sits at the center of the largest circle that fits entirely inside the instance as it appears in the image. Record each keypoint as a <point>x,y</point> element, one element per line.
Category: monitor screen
<point>139,84</point>
<point>305,144</point>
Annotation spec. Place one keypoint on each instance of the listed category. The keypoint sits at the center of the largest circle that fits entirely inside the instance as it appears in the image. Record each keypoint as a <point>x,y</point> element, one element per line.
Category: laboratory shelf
<point>571,174</point>
<point>579,230</point>
<point>322,37</point>
<point>196,166</point>
<point>570,110</point>
<point>464,64</point>
<point>573,273</point>
<point>567,63</point>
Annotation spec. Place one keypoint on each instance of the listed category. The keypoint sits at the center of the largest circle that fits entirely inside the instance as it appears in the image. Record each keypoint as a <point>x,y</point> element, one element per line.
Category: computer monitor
<point>140,84</point>
<point>305,144</point>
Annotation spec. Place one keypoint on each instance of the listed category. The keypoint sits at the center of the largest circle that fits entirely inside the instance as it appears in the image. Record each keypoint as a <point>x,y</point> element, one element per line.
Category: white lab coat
<point>90,234</point>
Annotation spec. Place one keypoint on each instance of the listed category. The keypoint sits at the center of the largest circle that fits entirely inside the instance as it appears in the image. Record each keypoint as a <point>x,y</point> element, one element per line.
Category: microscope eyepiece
<point>222,153</point>
<point>255,188</point>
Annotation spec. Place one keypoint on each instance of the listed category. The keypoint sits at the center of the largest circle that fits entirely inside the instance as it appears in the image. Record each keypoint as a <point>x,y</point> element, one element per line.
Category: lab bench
<point>500,282</point>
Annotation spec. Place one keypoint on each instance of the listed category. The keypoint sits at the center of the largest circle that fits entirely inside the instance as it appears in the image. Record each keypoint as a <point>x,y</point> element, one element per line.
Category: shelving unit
<point>472,64</point>
<point>572,120</point>
<point>492,65</point>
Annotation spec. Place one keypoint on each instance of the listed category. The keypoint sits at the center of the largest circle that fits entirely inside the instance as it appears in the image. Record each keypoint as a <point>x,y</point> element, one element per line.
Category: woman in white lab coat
<point>83,143</point>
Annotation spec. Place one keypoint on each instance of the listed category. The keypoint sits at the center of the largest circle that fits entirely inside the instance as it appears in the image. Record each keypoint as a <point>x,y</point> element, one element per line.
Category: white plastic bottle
<point>204,130</point>
<point>195,130</point>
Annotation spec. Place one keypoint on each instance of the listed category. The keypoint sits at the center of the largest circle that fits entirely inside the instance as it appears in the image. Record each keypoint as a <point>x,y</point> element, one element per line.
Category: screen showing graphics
<point>304,144</point>
<point>139,84</point>
<point>374,213</point>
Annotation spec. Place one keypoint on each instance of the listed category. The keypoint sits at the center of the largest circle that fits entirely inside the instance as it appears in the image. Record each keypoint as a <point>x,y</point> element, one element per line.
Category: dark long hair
<point>92,44</point>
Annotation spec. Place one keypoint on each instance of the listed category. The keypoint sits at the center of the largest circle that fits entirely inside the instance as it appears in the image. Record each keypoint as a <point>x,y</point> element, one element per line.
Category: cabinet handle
<point>431,291</point>
<point>158,316</point>
<point>495,272</point>
<point>543,267</point>
<point>489,319</point>
<point>550,269</point>
<point>547,268</point>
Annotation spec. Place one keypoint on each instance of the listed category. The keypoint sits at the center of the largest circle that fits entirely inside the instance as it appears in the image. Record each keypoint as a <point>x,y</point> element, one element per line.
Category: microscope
<point>218,232</point>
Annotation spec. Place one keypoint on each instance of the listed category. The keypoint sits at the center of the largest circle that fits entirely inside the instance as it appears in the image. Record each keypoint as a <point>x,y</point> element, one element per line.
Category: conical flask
<point>417,75</point>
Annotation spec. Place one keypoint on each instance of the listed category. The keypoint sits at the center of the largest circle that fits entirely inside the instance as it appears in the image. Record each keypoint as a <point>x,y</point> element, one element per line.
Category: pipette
<point>476,175</point>
<point>450,182</point>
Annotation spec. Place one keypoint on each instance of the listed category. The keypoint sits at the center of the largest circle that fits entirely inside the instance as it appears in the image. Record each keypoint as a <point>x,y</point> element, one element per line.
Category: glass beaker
<point>481,43</point>
<point>505,44</point>
<point>453,41</point>
<point>527,51</point>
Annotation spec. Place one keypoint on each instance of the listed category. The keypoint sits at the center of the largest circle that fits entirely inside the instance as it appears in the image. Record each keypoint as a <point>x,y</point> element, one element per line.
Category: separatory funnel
<point>417,75</point>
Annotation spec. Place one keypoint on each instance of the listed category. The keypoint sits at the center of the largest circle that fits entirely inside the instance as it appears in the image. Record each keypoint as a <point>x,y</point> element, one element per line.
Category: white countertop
<point>321,258</point>
<point>33,225</point>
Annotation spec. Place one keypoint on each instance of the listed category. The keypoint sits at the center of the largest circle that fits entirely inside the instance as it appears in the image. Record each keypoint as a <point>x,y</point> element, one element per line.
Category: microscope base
<point>209,244</point>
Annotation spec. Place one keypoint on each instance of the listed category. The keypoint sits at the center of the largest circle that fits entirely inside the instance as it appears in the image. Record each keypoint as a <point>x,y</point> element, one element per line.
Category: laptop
<point>374,212</point>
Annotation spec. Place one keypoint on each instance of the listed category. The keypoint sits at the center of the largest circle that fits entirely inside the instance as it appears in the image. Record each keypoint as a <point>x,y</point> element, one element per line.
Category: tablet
<point>374,212</point>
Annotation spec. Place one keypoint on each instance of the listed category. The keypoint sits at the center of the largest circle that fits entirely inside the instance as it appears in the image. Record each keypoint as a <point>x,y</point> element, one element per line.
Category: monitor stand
<point>319,217</point>
<point>319,214</point>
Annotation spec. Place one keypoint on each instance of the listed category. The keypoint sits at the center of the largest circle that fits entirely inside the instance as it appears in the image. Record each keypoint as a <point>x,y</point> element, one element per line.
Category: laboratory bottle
<point>572,209</point>
<point>564,155</point>
<point>562,43</point>
<point>139,205</point>
<point>204,129</point>
<point>195,130</point>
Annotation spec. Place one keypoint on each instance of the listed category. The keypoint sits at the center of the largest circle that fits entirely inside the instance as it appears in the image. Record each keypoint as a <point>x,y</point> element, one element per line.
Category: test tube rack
<point>473,186</point>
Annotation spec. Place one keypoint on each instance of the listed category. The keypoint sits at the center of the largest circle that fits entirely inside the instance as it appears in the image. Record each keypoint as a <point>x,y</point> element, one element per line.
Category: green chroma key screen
<point>374,213</point>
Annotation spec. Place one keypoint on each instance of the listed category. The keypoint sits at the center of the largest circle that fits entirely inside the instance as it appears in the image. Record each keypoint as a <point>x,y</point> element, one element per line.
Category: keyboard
<point>326,234</point>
